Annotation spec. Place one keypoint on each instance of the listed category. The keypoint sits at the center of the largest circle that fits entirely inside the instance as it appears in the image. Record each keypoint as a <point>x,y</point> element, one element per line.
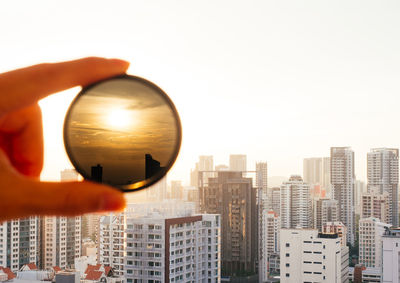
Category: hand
<point>21,142</point>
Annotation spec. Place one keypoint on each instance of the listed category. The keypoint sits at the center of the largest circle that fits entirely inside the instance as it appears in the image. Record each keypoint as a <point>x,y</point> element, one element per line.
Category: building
<point>262,176</point>
<point>374,204</point>
<point>295,204</point>
<point>158,191</point>
<point>362,274</point>
<point>269,242</point>
<point>112,242</point>
<point>309,256</point>
<point>316,171</point>
<point>359,190</point>
<point>342,185</point>
<point>170,244</point>
<point>336,228</point>
<point>234,198</point>
<point>61,241</point>
<point>370,243</point>
<point>19,242</point>
<point>176,190</point>
<point>325,210</point>
<point>238,162</point>
<point>274,199</point>
<point>391,256</point>
<point>383,175</point>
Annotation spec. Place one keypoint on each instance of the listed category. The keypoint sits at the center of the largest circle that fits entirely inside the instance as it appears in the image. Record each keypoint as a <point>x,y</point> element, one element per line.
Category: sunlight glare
<point>119,118</point>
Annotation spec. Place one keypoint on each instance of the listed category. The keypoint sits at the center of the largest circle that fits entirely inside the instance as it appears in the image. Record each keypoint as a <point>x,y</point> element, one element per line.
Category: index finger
<point>22,87</point>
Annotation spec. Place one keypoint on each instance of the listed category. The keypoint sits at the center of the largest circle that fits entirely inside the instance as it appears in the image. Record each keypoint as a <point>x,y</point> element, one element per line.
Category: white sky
<point>276,80</point>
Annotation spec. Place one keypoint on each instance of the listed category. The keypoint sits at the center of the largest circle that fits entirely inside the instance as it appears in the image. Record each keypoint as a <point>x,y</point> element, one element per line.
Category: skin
<point>21,142</point>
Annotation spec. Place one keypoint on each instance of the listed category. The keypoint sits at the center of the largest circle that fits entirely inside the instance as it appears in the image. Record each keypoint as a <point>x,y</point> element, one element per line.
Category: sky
<point>276,80</point>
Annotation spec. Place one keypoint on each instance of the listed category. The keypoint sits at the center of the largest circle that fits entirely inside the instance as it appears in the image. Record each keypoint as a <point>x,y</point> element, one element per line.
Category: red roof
<point>93,275</point>
<point>9,273</point>
<point>56,268</point>
<point>107,270</point>
<point>92,268</point>
<point>32,266</point>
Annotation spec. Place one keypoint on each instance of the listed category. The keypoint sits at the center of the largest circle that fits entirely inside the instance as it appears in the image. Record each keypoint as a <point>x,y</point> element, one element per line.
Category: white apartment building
<point>112,241</point>
<point>295,204</point>
<point>61,241</point>
<point>375,204</point>
<point>383,174</point>
<point>309,256</point>
<point>391,256</point>
<point>19,242</point>
<point>342,185</point>
<point>325,210</point>
<point>269,243</point>
<point>370,243</point>
<point>316,171</point>
<point>177,248</point>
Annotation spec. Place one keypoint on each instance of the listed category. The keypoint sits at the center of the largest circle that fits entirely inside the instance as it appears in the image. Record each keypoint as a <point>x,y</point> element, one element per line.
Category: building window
<point>287,245</point>
<point>287,255</point>
<point>287,264</point>
<point>287,275</point>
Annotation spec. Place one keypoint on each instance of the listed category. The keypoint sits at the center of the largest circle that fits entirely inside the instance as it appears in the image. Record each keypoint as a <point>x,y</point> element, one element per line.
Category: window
<point>287,255</point>
<point>287,275</point>
<point>287,245</point>
<point>287,264</point>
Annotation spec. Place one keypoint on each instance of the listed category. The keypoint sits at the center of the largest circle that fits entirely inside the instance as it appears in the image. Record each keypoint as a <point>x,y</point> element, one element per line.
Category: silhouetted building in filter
<point>152,166</point>
<point>97,173</point>
<point>234,198</point>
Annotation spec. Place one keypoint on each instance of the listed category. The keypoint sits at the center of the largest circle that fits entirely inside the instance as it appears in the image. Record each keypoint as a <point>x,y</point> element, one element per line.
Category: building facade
<point>325,210</point>
<point>370,243</point>
<point>295,204</point>
<point>374,204</point>
<point>391,256</point>
<point>238,162</point>
<point>309,256</point>
<point>383,176</point>
<point>342,185</point>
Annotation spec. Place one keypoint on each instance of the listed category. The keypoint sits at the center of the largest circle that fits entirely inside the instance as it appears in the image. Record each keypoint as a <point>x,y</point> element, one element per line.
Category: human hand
<point>21,142</point>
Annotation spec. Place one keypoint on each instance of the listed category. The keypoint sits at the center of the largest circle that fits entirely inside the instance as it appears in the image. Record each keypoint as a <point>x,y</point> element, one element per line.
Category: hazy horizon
<point>277,81</point>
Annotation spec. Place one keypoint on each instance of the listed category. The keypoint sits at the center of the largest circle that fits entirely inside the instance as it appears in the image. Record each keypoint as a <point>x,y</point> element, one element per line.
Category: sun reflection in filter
<point>119,118</point>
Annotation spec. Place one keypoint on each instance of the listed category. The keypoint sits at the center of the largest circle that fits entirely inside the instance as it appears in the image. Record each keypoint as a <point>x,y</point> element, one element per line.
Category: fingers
<point>26,86</point>
<point>23,130</point>
<point>24,197</point>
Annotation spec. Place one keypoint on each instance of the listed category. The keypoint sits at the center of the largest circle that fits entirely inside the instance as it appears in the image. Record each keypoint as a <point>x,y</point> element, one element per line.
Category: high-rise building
<point>205,165</point>
<point>370,243</point>
<point>296,204</point>
<point>316,171</point>
<point>274,199</point>
<point>383,175</point>
<point>269,243</point>
<point>238,162</point>
<point>19,242</point>
<point>359,190</point>
<point>221,167</point>
<point>262,176</point>
<point>325,210</point>
<point>61,241</point>
<point>112,242</point>
<point>342,185</point>
<point>173,246</point>
<point>234,198</point>
<point>158,191</point>
<point>391,256</point>
<point>176,190</point>
<point>309,256</point>
<point>376,205</point>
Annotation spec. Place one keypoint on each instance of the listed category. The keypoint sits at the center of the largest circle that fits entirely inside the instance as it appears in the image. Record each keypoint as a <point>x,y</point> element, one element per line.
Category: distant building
<point>221,167</point>
<point>370,243</point>
<point>359,190</point>
<point>269,242</point>
<point>274,199</point>
<point>19,242</point>
<point>375,204</point>
<point>234,198</point>
<point>383,175</point>
<point>325,210</point>
<point>336,228</point>
<point>176,190</point>
<point>391,256</point>
<point>309,256</point>
<point>238,162</point>
<point>295,204</point>
<point>342,185</point>
<point>316,171</point>
<point>112,242</point>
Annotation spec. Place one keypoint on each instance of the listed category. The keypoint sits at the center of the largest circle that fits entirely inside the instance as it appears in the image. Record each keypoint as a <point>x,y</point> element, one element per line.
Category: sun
<point>119,118</point>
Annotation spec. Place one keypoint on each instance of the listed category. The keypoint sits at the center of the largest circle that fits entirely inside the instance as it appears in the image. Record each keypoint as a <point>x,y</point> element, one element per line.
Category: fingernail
<point>112,201</point>
<point>119,62</point>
